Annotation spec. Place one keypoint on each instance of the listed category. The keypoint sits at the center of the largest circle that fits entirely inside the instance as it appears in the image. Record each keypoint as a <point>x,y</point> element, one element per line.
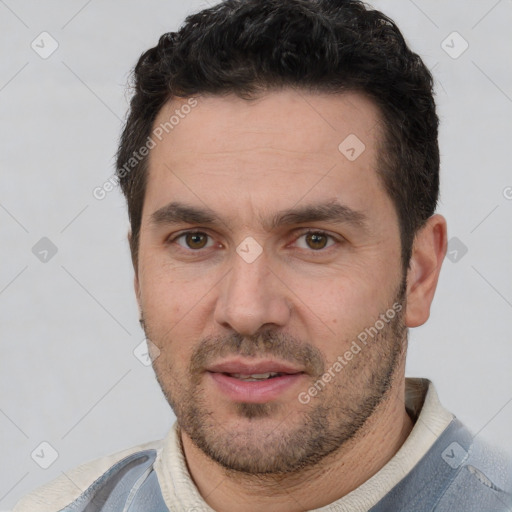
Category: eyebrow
<point>325,212</point>
<point>176,212</point>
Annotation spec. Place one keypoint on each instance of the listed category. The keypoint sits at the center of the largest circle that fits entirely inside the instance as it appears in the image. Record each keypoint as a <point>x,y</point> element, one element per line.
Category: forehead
<point>283,145</point>
<point>304,121</point>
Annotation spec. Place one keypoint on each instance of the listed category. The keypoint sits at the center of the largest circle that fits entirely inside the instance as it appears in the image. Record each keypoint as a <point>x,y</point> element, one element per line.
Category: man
<point>281,168</point>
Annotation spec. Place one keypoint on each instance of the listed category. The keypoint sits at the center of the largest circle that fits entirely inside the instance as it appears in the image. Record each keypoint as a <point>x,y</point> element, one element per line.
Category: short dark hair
<point>247,47</point>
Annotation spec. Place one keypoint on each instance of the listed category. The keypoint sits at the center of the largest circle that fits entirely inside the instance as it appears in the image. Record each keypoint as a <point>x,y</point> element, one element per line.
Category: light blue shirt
<point>458,474</point>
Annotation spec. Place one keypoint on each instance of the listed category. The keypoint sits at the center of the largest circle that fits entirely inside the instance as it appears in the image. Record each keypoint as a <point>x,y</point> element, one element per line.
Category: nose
<point>252,297</point>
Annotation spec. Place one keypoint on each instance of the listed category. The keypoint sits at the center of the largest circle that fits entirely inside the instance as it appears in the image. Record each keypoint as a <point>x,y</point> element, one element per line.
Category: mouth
<point>260,382</point>
<point>255,377</point>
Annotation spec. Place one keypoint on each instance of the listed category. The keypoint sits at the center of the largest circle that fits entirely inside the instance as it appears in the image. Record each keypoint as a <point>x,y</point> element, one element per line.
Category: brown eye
<point>196,240</point>
<point>316,240</point>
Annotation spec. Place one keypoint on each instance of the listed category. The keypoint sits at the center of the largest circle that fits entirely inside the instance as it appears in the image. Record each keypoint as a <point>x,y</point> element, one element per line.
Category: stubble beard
<point>260,446</point>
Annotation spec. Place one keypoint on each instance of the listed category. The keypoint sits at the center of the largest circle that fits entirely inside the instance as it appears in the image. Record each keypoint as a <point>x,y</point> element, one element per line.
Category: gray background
<point>69,325</point>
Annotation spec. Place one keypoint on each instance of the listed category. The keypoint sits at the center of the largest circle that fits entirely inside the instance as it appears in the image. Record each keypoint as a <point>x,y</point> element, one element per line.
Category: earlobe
<point>428,253</point>
<point>132,252</point>
<point>136,285</point>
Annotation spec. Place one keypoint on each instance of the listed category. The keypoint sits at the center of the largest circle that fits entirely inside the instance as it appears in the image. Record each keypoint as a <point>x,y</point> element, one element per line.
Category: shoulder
<point>458,472</point>
<point>483,481</point>
<point>65,489</point>
<point>469,473</point>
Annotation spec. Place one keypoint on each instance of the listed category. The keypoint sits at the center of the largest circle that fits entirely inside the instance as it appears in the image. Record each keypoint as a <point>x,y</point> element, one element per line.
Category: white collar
<point>180,492</point>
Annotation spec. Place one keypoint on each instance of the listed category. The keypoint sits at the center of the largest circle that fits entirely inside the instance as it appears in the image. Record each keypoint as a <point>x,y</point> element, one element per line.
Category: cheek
<point>343,311</point>
<point>160,299</point>
<point>335,311</point>
<point>174,313</point>
<point>164,295</point>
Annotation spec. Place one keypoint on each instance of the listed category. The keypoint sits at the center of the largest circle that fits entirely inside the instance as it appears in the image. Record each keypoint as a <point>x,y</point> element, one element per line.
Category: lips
<point>238,366</point>
<point>256,382</point>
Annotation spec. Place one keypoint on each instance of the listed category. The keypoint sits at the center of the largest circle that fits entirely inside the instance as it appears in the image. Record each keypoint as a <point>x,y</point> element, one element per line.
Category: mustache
<point>266,344</point>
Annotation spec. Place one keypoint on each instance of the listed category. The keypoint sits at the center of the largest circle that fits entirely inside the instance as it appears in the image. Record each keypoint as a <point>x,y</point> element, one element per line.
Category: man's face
<point>266,249</point>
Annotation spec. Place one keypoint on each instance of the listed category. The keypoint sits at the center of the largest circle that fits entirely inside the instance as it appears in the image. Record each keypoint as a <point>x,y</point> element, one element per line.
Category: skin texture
<point>303,300</point>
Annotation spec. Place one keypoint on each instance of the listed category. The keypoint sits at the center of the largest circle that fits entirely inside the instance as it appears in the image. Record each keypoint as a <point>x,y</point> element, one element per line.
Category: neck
<point>334,477</point>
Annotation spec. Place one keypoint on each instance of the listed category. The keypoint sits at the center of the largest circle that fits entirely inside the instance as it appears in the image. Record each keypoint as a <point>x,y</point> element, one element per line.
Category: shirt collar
<point>422,404</point>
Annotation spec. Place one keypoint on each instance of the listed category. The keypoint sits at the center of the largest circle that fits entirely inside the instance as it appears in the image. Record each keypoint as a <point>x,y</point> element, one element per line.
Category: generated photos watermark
<point>365,336</point>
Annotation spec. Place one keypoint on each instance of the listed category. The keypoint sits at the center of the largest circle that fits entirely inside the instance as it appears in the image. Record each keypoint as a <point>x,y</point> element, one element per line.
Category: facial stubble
<point>265,443</point>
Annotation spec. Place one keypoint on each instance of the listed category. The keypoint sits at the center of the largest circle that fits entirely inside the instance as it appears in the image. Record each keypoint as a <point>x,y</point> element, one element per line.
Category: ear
<point>428,252</point>
<point>136,284</point>
<point>136,287</point>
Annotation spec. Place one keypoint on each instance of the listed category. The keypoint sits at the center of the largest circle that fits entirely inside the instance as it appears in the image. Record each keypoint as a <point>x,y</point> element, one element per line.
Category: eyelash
<point>331,238</point>
<point>184,234</point>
